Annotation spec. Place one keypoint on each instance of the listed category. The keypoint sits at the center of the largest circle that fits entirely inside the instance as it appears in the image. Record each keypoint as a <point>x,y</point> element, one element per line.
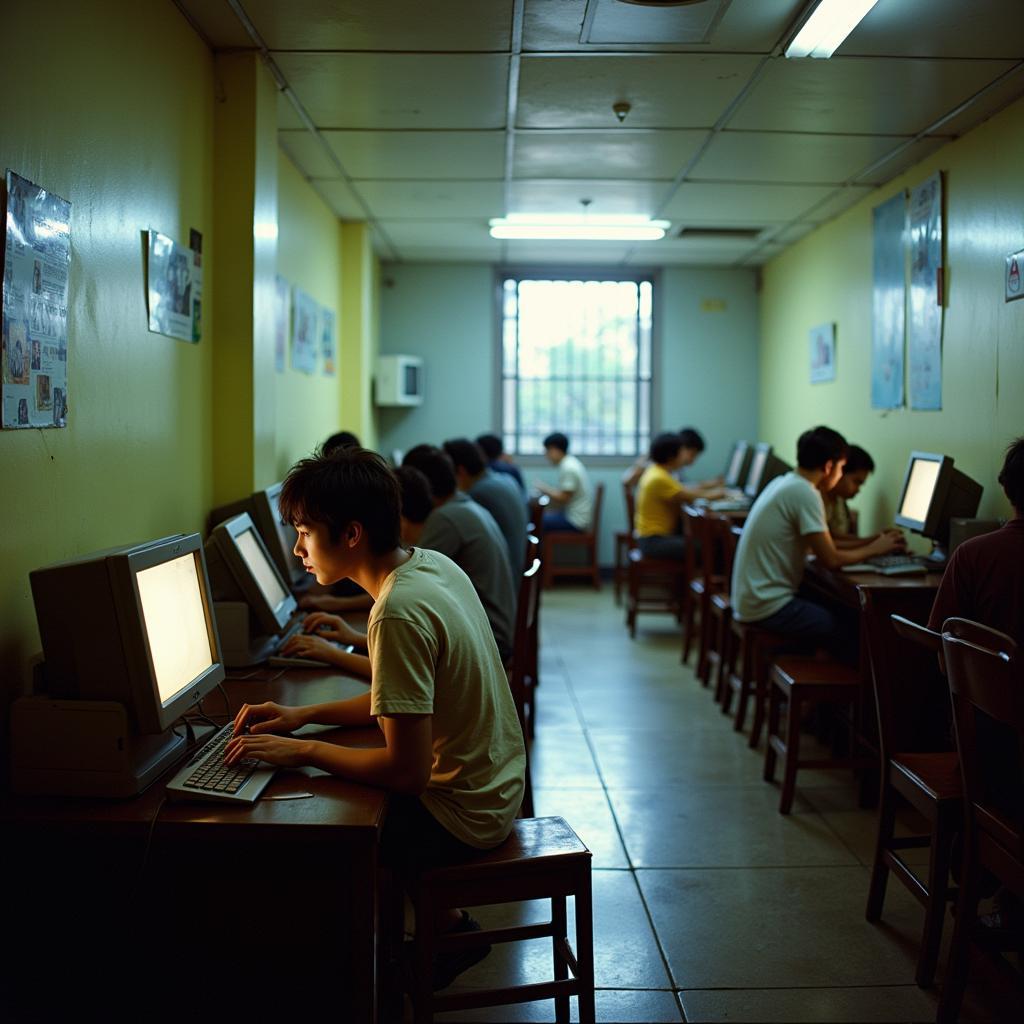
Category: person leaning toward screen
<point>453,754</point>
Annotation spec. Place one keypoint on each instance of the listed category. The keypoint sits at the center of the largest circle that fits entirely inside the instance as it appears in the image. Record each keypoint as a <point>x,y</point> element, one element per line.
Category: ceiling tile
<point>339,198</point>
<point>433,200</point>
<point>218,23</point>
<point>605,196</point>
<point>611,23</point>
<point>419,155</point>
<point>453,254</point>
<point>287,118</point>
<point>793,232</point>
<point>409,234</point>
<point>307,153</point>
<point>999,96</point>
<point>668,90</point>
<point>836,203</point>
<point>604,253</point>
<point>372,25</point>
<point>788,157</point>
<point>940,28</point>
<point>623,153</point>
<point>388,90</point>
<point>901,161</point>
<point>752,26</point>
<point>741,205</point>
<point>761,256</point>
<point>868,95</point>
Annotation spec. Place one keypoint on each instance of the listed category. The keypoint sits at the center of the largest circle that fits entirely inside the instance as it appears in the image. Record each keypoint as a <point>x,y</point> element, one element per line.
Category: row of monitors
<point>138,624</point>
<point>752,467</point>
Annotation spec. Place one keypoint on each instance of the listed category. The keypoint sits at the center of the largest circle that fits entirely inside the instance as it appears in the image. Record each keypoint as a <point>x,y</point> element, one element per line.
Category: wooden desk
<point>110,892</point>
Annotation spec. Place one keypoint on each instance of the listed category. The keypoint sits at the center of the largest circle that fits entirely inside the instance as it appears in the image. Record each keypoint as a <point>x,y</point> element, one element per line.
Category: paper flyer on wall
<point>34,325</point>
<point>282,297</point>
<point>305,312</point>
<point>174,288</point>
<point>924,332</point>
<point>823,353</point>
<point>327,340</point>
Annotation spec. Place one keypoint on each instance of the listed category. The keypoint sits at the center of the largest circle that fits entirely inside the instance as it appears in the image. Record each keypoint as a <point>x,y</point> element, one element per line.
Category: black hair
<point>350,485</point>
<point>691,438</point>
<point>1011,476</point>
<point>491,446</point>
<point>664,448</point>
<point>436,466</point>
<point>818,446</point>
<point>466,454</point>
<point>415,488</point>
<point>342,439</point>
<point>857,459</point>
<point>556,440</point>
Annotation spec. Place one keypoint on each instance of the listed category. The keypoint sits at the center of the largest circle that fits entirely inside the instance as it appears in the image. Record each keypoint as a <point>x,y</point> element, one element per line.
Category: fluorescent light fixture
<point>824,31</point>
<point>578,227</point>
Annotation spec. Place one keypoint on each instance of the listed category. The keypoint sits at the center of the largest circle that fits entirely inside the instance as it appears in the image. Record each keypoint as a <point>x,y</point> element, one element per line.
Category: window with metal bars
<point>576,358</point>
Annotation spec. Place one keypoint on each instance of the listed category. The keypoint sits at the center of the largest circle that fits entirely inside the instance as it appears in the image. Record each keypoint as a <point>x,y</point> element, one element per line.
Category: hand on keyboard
<point>333,627</point>
<point>279,750</point>
<point>304,645</point>
<point>257,719</point>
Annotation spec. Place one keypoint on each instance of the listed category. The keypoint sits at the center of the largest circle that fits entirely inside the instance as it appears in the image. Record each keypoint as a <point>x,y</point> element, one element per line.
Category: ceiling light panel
<point>399,91</point>
<point>665,90</point>
<point>610,22</point>
<point>613,154</point>
<point>371,25</point>
<point>419,155</point>
<point>867,95</point>
<point>826,29</point>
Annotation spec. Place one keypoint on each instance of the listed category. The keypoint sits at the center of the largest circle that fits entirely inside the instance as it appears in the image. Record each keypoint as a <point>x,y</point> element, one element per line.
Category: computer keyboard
<point>206,777</point>
<point>729,504</point>
<point>891,561</point>
<point>890,565</point>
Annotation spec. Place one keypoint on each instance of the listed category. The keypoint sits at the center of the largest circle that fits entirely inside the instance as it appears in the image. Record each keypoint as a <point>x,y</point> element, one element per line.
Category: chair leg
<point>688,620</point>
<point>960,949</point>
<point>760,696</point>
<point>935,911</point>
<point>726,645</point>
<point>585,948</point>
<point>792,754</point>
<point>880,870</point>
<point>423,958</point>
<point>746,685</point>
<point>774,709</point>
<point>560,928</point>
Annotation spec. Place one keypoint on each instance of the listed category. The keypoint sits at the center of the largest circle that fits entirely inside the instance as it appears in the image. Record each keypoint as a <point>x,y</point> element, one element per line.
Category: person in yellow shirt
<point>659,496</point>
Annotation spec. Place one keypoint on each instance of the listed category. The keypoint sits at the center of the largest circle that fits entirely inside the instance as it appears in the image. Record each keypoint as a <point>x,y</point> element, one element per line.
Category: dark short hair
<point>556,440</point>
<point>818,446</point>
<point>857,459</point>
<point>490,445</point>
<point>1011,476</point>
<point>415,488</point>
<point>436,466</point>
<point>691,439</point>
<point>342,439</point>
<point>352,485</point>
<point>664,448</point>
<point>467,454</point>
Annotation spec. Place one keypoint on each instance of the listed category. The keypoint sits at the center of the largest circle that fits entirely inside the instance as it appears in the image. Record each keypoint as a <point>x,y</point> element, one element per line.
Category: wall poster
<point>282,299</point>
<point>174,288</point>
<point>889,296</point>
<point>823,353</point>
<point>924,333</point>
<point>34,322</point>
<point>305,340</point>
<point>327,342</point>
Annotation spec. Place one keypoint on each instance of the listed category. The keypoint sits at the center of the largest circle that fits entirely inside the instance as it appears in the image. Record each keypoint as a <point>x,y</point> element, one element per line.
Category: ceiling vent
<point>724,234</point>
<point>651,22</point>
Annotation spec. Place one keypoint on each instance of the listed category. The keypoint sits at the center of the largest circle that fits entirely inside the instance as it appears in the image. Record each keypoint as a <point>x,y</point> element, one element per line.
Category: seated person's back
<point>494,452</point>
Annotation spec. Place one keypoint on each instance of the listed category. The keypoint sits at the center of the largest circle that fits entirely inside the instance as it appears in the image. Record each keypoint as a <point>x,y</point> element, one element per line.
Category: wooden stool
<point>754,647</point>
<point>667,576</point>
<point>804,681</point>
<point>542,859</point>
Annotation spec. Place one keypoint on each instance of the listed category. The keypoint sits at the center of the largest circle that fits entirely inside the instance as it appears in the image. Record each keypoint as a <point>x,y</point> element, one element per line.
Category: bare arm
<point>328,603</point>
<point>823,548</point>
<point>561,497</point>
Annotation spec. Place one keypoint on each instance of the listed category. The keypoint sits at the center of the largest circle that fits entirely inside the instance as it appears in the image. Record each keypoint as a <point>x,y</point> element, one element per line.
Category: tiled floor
<point>709,905</point>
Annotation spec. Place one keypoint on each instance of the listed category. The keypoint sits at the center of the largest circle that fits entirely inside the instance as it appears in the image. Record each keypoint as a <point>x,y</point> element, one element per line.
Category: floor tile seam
<point>755,867</point>
<point>853,852</point>
<point>809,988</point>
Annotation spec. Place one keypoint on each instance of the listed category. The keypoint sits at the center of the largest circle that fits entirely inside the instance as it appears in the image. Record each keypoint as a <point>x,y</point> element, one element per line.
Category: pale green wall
<point>445,313</point>
<point>309,257</point>
<point>828,277</point>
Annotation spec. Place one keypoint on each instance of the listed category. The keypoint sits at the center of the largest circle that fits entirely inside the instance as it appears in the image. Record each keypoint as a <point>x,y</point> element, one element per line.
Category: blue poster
<point>889,296</point>
<point>924,333</point>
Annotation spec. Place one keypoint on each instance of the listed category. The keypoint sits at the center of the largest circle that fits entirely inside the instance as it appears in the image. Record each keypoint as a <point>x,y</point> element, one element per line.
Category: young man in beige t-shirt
<point>453,757</point>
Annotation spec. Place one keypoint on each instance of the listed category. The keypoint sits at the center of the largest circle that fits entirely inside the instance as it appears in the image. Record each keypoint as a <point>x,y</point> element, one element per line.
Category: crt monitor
<point>738,464</point>
<point>243,575</point>
<point>933,493</point>
<point>765,466</point>
<point>130,633</point>
<point>278,537</point>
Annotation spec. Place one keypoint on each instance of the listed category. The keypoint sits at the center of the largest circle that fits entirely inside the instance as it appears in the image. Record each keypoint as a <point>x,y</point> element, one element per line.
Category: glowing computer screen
<point>917,498</point>
<point>735,464</point>
<point>263,572</point>
<point>757,468</point>
<point>179,639</point>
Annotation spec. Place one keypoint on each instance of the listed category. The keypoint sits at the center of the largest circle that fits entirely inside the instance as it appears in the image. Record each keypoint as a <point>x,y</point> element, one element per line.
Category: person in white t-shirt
<point>573,496</point>
<point>785,524</point>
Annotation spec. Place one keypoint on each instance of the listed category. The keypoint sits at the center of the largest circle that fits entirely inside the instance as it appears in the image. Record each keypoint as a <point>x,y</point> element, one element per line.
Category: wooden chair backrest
<point>523,652</point>
<point>911,695</point>
<point>629,497</point>
<point>727,542</point>
<point>694,532</point>
<point>595,511</point>
<point>537,505</point>
<point>986,678</point>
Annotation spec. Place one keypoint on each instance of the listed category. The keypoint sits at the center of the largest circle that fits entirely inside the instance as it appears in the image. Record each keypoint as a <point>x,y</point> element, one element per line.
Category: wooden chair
<point>753,647</point>
<point>906,681</point>
<point>655,585</point>
<point>804,681</point>
<point>986,682</point>
<point>587,539</point>
<point>720,606</point>
<point>694,597</point>
<point>523,673</point>
<point>542,859</point>
<point>624,541</point>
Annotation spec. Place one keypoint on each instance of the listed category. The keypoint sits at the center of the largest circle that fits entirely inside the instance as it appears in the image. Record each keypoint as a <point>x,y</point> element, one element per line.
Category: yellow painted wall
<point>828,277</point>
<point>115,113</point>
<point>309,256</point>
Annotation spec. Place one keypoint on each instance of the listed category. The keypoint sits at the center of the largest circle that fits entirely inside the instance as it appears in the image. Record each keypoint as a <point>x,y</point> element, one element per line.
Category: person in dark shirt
<point>497,460</point>
<point>984,580</point>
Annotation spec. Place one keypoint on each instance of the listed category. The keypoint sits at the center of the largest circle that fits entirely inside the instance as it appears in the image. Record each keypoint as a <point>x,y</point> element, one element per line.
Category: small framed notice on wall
<point>823,353</point>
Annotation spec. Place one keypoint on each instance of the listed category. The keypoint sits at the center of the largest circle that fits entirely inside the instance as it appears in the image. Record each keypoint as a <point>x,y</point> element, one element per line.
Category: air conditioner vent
<point>736,234</point>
